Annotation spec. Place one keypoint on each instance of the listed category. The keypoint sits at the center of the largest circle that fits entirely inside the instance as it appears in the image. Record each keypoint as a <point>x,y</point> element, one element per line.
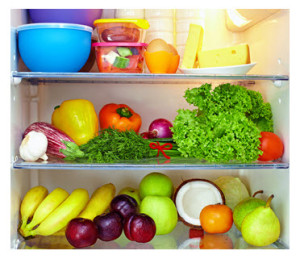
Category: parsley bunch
<point>112,145</point>
<point>225,126</point>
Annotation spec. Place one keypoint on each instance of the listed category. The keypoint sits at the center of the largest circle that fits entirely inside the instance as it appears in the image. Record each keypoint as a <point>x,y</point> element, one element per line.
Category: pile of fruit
<point>151,210</point>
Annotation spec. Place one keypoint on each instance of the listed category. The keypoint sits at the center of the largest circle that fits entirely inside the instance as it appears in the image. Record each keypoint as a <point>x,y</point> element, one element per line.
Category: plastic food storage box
<point>121,30</point>
<point>120,57</point>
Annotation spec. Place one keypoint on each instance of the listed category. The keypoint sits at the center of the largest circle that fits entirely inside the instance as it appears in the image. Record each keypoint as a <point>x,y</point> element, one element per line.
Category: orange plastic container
<point>162,62</point>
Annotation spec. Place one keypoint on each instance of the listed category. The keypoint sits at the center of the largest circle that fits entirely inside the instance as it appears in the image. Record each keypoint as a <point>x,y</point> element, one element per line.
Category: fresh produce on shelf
<point>109,225</point>
<point>46,207</point>
<point>61,216</point>
<point>271,146</point>
<point>159,128</point>
<point>34,147</point>
<point>198,203</point>
<point>192,195</point>
<point>29,204</point>
<point>124,204</point>
<point>81,232</point>
<point>261,227</point>
<point>225,126</point>
<point>99,201</point>
<point>54,137</point>
<point>162,210</point>
<point>132,192</point>
<point>216,218</point>
<point>112,145</point>
<point>139,227</point>
<point>233,189</point>
<point>156,184</point>
<point>243,208</point>
<point>77,118</point>
<point>119,116</point>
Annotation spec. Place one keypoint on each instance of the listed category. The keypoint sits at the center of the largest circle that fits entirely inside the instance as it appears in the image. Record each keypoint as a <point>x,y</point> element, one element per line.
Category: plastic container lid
<point>119,44</point>
<point>73,26</point>
<point>141,23</point>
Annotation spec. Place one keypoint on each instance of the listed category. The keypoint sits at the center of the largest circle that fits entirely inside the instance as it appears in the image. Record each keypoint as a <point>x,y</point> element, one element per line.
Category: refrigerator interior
<point>34,100</point>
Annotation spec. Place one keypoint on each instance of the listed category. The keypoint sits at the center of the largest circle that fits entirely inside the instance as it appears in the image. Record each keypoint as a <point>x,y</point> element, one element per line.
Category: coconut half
<point>192,195</point>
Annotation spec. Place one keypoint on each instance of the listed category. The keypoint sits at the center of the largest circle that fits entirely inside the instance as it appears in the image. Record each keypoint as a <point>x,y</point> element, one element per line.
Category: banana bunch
<point>99,203</point>
<point>47,214</point>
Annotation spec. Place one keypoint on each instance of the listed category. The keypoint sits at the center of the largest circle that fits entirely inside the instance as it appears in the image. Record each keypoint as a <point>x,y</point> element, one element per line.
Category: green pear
<point>244,207</point>
<point>261,227</point>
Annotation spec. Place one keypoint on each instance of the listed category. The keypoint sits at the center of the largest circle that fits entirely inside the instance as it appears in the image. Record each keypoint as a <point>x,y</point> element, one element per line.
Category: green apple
<point>162,210</point>
<point>156,184</point>
<point>134,193</point>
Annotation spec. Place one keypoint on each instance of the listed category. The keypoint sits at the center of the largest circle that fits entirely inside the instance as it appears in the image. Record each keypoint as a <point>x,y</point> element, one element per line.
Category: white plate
<point>229,70</point>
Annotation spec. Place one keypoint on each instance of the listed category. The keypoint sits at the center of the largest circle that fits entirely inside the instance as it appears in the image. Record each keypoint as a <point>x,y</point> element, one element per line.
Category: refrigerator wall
<point>35,102</point>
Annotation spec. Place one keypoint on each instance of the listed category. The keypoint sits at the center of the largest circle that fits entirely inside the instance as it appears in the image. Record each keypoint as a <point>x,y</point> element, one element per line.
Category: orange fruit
<point>216,218</point>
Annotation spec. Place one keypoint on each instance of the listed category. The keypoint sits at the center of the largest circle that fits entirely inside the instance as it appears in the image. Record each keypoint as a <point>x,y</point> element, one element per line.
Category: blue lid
<point>73,26</point>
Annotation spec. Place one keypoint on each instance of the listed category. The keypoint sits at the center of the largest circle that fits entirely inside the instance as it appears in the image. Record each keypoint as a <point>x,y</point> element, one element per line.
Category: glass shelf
<point>148,164</point>
<point>36,77</point>
<point>177,239</point>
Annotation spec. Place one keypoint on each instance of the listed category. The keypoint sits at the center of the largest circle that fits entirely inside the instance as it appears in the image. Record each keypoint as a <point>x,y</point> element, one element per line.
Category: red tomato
<point>271,145</point>
<point>216,219</point>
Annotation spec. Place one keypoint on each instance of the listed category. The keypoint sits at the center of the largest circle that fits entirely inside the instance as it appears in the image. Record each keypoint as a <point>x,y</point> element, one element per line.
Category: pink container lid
<point>119,44</point>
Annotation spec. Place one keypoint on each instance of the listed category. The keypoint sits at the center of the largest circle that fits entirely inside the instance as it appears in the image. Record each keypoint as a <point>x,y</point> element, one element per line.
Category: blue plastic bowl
<point>54,47</point>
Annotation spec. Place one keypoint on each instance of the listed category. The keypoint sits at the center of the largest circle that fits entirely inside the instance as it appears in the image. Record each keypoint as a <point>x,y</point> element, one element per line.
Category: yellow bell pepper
<point>78,119</point>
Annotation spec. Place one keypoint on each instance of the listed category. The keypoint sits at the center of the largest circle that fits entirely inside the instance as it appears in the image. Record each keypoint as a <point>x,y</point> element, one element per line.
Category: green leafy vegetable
<point>225,126</point>
<point>112,145</point>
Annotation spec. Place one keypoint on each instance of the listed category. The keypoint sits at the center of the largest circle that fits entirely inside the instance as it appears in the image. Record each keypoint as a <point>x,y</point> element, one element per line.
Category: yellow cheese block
<point>231,56</point>
<point>193,46</point>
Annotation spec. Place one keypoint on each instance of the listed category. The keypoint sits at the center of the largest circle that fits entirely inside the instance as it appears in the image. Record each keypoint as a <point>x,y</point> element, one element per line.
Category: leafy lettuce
<point>225,126</point>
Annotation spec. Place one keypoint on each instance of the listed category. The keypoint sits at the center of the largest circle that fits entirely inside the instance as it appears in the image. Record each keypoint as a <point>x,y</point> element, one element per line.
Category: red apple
<point>81,232</point>
<point>140,228</point>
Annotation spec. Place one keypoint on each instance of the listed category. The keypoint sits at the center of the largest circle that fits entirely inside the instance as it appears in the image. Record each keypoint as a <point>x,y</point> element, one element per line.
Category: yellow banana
<point>30,202</point>
<point>49,204</point>
<point>99,201</point>
<point>61,216</point>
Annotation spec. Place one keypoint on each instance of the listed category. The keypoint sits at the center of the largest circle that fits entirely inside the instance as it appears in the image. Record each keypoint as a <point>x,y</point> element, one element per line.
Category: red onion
<point>54,137</point>
<point>160,128</point>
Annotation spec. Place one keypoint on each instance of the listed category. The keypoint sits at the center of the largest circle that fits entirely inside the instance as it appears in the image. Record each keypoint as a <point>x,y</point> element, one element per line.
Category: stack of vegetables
<point>229,124</point>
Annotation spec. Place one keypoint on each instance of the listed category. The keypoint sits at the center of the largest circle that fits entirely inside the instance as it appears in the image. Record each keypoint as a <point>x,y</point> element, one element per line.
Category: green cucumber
<point>121,62</point>
<point>124,52</point>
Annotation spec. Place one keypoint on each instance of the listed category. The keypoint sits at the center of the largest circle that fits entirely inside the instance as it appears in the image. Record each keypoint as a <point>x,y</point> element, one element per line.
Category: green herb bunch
<point>112,145</point>
<point>225,126</point>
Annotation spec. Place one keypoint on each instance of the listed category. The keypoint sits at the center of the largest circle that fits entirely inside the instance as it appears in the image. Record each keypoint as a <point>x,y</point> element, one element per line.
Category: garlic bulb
<point>34,146</point>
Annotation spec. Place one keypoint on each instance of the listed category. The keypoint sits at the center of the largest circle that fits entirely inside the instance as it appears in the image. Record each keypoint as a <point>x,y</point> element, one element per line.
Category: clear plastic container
<point>120,57</point>
<point>130,13</point>
<point>121,30</point>
<point>161,24</point>
<point>158,13</point>
<point>166,36</point>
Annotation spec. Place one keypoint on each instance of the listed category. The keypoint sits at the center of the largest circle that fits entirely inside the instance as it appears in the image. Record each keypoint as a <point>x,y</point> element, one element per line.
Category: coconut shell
<point>188,181</point>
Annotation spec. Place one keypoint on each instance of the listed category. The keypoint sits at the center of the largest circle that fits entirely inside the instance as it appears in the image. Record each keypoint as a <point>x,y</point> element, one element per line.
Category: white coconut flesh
<point>193,196</point>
